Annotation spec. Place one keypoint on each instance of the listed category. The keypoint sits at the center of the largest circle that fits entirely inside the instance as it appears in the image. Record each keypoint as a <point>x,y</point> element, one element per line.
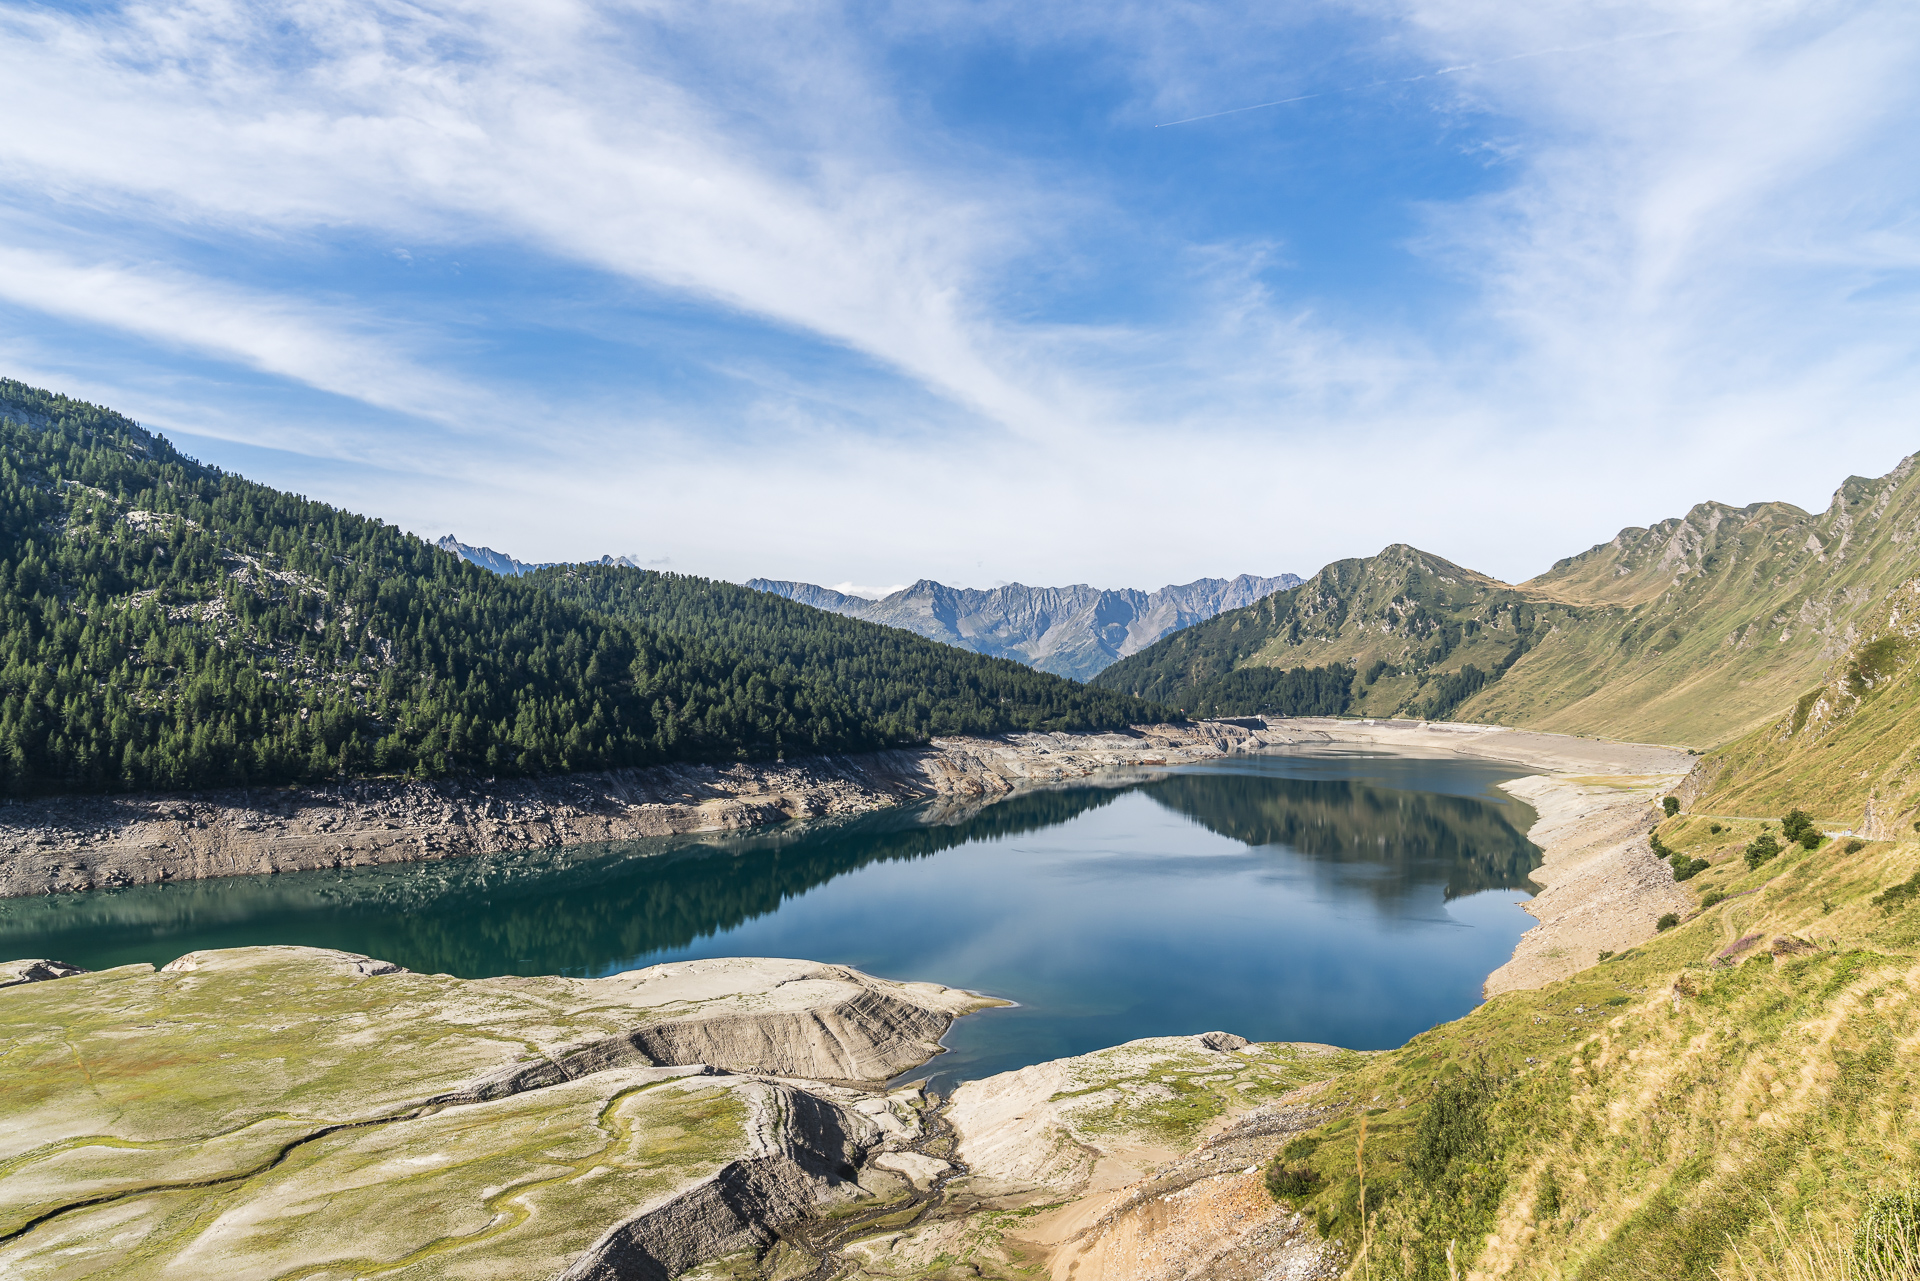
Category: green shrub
<point>1900,895</point>
<point>1658,846</point>
<point>1762,848</point>
<point>1888,1239</point>
<point>1712,897</point>
<point>1854,847</point>
<point>1301,1148</point>
<point>1714,829</point>
<point>1685,869</point>
<point>1547,1204</point>
<point>1671,805</point>
<point>1291,1182</point>
<point>1798,826</point>
<point>1606,956</point>
<point>1667,921</point>
<point>1453,1129</point>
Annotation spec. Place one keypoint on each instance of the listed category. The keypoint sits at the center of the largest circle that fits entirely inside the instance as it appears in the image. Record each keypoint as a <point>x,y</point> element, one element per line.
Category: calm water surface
<point>1340,898</point>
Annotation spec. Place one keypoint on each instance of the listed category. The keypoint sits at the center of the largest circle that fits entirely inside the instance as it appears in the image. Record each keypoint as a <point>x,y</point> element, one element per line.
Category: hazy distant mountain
<point>501,563</point>
<point>1069,631</point>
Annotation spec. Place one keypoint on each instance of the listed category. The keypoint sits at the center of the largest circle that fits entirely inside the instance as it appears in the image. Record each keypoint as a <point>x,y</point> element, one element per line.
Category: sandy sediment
<point>1603,889</point>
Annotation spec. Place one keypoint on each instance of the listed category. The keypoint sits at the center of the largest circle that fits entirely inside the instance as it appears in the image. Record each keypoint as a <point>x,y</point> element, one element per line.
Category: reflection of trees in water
<point>1420,835</point>
<point>584,909</point>
<point>613,911</point>
<point>576,910</point>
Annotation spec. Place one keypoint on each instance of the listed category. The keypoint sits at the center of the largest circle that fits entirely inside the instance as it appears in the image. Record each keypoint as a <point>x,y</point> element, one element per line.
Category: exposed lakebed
<point>1342,898</point>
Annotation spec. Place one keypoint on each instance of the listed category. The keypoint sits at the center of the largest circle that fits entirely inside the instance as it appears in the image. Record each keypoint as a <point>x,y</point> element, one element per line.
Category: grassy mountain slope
<point>1731,1099</point>
<point>164,625</point>
<point>1696,631</point>
<point>1849,749</point>
<point>908,686</point>
<point>1706,627</point>
<point>1420,634</point>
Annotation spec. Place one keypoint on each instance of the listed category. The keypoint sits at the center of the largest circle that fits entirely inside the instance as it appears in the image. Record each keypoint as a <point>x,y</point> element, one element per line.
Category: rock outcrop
<point>13,973</point>
<point>1141,1161</point>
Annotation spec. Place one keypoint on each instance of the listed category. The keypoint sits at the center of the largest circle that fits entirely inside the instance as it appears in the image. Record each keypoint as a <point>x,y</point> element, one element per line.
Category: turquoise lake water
<point>1340,898</point>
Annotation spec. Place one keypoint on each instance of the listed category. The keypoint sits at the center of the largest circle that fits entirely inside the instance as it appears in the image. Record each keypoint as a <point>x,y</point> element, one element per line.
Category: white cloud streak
<point>1693,274</point>
<point>272,334</point>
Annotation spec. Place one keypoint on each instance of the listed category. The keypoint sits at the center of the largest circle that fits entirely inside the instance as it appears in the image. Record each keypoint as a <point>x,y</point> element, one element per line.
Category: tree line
<point>165,625</point>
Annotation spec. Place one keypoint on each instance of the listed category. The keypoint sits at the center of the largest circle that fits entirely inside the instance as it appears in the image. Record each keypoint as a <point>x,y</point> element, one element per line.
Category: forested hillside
<point>908,686</point>
<point>165,625</point>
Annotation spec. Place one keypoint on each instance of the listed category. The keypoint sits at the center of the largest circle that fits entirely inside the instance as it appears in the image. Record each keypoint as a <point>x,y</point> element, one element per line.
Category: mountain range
<point>1785,636</point>
<point>1075,631</point>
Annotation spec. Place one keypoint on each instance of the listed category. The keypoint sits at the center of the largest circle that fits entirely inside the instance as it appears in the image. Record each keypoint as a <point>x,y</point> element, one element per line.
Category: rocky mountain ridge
<point>1695,630</point>
<point>1076,631</point>
<point>1419,633</point>
<point>506,566</point>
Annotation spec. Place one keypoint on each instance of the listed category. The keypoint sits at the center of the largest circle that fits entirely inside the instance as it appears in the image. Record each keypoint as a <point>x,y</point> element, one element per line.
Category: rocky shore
<point>1602,886</point>
<point>66,844</point>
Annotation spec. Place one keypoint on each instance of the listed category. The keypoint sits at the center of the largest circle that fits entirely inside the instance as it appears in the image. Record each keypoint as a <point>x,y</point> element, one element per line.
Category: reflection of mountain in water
<point>576,911</point>
<point>1421,836</point>
<point>583,910</point>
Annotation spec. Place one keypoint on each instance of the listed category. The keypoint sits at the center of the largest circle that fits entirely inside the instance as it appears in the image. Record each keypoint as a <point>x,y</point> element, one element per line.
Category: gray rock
<point>13,973</point>
<point>1075,631</point>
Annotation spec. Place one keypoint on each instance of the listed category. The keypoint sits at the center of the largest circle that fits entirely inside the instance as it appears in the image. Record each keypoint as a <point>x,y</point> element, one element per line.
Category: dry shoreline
<point>78,843</point>
<point>1602,888</point>
<point>1119,1206</point>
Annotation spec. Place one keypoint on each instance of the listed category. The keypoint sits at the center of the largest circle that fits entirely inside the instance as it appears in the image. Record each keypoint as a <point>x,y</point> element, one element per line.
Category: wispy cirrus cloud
<point>343,354</point>
<point>946,278</point>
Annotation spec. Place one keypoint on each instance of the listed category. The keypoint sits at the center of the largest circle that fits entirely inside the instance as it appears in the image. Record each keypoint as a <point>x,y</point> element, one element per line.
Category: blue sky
<point>863,293</point>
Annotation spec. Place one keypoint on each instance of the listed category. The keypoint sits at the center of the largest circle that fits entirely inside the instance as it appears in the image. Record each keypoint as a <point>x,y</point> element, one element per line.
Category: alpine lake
<point>1334,897</point>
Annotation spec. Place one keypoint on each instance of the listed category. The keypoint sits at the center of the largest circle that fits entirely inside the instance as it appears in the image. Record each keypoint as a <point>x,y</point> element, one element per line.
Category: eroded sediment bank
<point>75,843</point>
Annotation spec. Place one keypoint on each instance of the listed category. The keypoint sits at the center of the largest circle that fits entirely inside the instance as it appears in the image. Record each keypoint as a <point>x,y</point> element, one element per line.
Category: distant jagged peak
<point>811,594</point>
<point>1076,630</point>
<point>507,566</point>
<point>486,558</point>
